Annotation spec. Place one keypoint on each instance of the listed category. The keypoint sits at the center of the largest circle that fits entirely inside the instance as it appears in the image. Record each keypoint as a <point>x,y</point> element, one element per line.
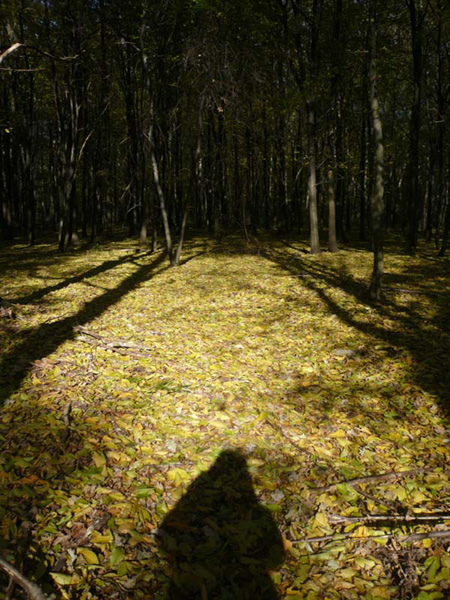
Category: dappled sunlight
<point>115,409</point>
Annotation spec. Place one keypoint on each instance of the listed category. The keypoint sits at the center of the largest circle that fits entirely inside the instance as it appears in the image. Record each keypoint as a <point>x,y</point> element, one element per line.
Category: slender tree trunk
<point>312,187</point>
<point>162,204</point>
<point>416,17</point>
<point>378,188</point>
<point>332,238</point>
<point>446,233</point>
<point>312,133</point>
<point>362,179</point>
<point>441,102</point>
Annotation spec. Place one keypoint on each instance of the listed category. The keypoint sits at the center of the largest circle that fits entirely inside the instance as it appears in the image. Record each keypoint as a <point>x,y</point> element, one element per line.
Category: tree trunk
<point>416,17</point>
<point>162,204</point>
<point>312,187</point>
<point>378,188</point>
<point>332,238</point>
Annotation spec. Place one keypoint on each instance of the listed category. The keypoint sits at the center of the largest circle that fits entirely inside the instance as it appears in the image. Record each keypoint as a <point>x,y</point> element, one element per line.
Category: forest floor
<point>139,400</point>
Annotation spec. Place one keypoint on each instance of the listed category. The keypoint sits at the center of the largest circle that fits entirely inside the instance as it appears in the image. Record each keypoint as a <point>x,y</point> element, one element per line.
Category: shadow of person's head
<point>219,540</point>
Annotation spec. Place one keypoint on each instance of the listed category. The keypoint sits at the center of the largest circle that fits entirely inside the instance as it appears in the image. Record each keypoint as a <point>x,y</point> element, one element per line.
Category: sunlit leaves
<point>247,357</point>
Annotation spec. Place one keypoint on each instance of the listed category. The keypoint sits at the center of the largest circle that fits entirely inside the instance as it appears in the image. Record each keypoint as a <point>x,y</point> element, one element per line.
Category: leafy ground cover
<point>251,380</point>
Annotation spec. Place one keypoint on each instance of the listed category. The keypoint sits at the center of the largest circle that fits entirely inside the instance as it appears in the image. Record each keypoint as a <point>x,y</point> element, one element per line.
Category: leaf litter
<point>338,405</point>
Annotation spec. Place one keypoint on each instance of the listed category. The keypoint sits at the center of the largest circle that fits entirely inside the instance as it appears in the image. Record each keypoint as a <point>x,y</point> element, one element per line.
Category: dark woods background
<point>223,115</point>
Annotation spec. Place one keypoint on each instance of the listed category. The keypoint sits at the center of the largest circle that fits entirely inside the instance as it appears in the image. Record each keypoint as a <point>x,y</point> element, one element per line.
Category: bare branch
<point>33,591</point>
<point>9,51</point>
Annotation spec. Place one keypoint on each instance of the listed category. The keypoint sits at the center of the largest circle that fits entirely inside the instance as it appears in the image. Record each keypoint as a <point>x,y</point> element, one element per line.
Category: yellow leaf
<point>321,520</point>
<point>89,556</point>
<point>101,538</point>
<point>340,433</point>
<point>417,497</point>
<point>399,492</point>
<point>119,457</point>
<point>178,476</point>
<point>62,579</point>
<point>99,459</point>
<point>365,563</point>
<point>347,573</point>
<point>381,592</point>
<point>361,531</point>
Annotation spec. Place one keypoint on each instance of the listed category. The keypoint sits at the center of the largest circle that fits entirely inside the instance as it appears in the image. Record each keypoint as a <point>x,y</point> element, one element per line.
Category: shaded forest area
<point>238,115</point>
<point>252,424</point>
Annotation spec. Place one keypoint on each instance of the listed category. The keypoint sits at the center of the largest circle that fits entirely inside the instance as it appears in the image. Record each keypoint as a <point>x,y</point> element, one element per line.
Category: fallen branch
<point>32,590</point>
<point>386,503</point>
<point>371,479</point>
<point>115,343</point>
<point>412,537</point>
<point>119,346</point>
<point>339,519</point>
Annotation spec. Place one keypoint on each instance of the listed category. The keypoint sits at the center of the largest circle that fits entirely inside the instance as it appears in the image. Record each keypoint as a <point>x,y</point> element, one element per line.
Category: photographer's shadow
<point>220,542</point>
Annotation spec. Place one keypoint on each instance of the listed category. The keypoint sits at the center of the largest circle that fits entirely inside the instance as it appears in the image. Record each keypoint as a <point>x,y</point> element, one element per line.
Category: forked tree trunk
<point>162,204</point>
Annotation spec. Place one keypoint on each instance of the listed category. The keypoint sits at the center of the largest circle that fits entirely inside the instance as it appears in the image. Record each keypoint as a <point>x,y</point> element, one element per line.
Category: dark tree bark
<point>378,187</point>
<point>417,16</point>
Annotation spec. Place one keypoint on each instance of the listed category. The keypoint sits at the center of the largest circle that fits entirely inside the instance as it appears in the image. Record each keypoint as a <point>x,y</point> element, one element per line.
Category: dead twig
<point>374,499</point>
<point>413,537</point>
<point>119,346</point>
<point>339,519</point>
<point>371,479</point>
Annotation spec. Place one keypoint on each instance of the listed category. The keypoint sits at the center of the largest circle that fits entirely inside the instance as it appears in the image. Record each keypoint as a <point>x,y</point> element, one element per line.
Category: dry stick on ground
<point>371,479</point>
<point>119,350</point>
<point>413,537</point>
<point>339,519</point>
<point>116,343</point>
<point>386,503</point>
<point>119,346</point>
<point>33,591</point>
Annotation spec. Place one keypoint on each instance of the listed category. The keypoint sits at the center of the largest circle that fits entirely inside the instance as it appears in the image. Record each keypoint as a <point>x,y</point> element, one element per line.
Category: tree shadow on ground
<point>220,541</point>
<point>45,339</point>
<point>102,268</point>
<point>426,340</point>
